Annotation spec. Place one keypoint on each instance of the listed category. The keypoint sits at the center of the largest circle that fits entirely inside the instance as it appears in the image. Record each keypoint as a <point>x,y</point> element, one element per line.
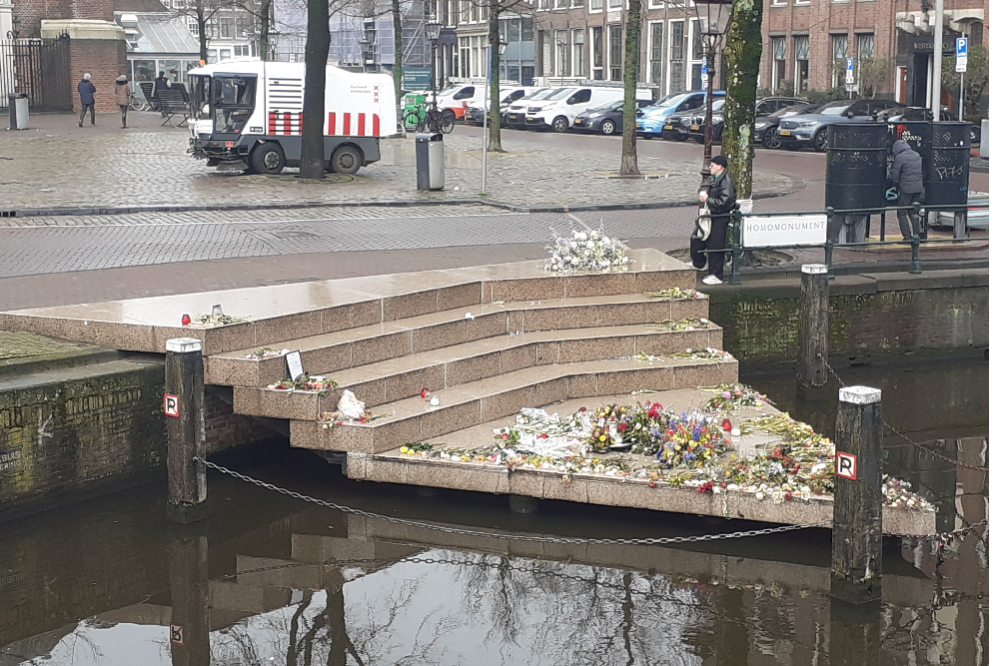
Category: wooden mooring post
<point>814,326</point>
<point>184,407</point>
<point>190,643</point>
<point>856,562</point>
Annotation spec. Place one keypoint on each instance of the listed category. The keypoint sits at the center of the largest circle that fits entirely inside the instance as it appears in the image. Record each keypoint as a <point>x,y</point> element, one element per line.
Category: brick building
<point>95,44</point>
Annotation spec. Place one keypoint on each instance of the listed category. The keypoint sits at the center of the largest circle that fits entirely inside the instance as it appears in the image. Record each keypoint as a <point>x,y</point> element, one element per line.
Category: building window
<point>655,53</point>
<point>578,52</point>
<point>614,4</point>
<point>801,64</point>
<point>561,4</point>
<point>546,36</point>
<point>597,52</point>
<point>527,30</point>
<point>576,3</point>
<point>464,57</point>
<point>778,51</point>
<point>596,5</point>
<point>838,45</point>
<point>866,47</point>
<point>696,60</point>
<point>193,28</point>
<point>655,3</point>
<point>976,33</point>
<point>241,50</point>
<point>561,53</point>
<point>226,28</point>
<point>676,83</point>
<point>615,51</point>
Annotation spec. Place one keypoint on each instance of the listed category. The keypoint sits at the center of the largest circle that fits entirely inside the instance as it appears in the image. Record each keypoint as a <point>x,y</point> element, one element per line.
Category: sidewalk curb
<point>403,203</point>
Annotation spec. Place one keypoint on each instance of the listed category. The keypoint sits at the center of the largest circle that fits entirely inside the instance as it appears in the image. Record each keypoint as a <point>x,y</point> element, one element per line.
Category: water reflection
<point>267,581</point>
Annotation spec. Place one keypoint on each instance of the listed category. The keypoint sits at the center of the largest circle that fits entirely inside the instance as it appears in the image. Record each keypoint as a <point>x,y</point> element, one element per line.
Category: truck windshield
<point>199,97</point>
<point>232,102</point>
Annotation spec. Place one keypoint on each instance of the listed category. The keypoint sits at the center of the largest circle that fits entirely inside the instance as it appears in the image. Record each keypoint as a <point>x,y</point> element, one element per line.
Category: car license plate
<point>668,127</point>
<point>578,122</point>
<point>529,117</point>
<point>785,133</point>
<point>695,128</point>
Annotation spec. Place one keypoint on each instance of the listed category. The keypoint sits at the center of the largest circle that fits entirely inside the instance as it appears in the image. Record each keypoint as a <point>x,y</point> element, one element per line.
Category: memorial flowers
<point>676,294</point>
<point>213,320</point>
<point>307,383</point>
<point>265,352</point>
<point>590,250</point>
<point>731,397</point>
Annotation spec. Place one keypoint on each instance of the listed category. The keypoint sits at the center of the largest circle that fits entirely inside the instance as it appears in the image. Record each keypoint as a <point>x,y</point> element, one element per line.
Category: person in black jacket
<point>86,88</point>
<point>908,174</point>
<point>720,199</point>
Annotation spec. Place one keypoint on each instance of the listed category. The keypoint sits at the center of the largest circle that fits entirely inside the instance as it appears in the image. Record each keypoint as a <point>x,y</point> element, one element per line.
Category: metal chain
<point>896,432</point>
<point>947,538</point>
<point>513,537</point>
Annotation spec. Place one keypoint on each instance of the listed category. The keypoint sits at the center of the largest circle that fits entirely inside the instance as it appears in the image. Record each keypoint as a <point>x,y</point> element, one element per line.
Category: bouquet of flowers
<point>676,294</point>
<point>265,352</point>
<point>589,250</point>
<point>320,385</point>
<point>730,397</point>
<point>690,440</point>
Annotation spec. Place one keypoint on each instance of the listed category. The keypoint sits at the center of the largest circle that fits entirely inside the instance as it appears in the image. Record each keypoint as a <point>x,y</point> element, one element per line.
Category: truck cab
<point>247,114</point>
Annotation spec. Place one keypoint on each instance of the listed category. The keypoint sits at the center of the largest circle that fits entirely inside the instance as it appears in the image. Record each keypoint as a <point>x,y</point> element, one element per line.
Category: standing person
<point>161,83</point>
<point>86,89</point>
<point>908,174</point>
<point>720,197</point>
<point>123,97</point>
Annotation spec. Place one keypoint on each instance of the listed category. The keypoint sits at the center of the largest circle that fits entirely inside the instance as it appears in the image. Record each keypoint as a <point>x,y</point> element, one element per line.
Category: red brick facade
<point>31,12</point>
<point>105,61</point>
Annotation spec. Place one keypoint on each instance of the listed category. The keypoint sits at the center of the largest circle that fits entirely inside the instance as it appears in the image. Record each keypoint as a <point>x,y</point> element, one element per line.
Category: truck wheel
<point>268,158</point>
<point>560,124</point>
<point>346,159</point>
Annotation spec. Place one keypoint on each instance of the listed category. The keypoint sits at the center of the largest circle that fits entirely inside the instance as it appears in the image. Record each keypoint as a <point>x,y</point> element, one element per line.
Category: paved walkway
<point>61,165</point>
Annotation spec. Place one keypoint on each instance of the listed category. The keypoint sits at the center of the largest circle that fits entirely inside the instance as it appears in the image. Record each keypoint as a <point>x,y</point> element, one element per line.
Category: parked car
<point>455,99</point>
<point>762,106</point>
<point>913,114</point>
<point>765,129</point>
<point>680,126</point>
<point>810,129</point>
<point>557,112</point>
<point>519,109</point>
<point>606,118</point>
<point>508,95</point>
<point>654,118</point>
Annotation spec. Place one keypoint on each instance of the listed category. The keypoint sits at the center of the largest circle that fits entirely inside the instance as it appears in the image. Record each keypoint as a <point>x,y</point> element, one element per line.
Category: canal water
<point>272,580</point>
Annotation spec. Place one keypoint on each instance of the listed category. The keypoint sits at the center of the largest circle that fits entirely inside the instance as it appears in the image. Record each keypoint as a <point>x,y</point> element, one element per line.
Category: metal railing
<point>914,243</point>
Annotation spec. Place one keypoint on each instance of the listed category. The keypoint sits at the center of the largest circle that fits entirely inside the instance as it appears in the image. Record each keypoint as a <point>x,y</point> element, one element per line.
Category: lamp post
<point>16,29</point>
<point>433,34</point>
<point>713,18</point>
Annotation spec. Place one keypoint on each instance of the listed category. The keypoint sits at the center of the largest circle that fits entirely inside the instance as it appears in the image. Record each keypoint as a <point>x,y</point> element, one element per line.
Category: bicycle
<point>431,120</point>
<point>139,104</point>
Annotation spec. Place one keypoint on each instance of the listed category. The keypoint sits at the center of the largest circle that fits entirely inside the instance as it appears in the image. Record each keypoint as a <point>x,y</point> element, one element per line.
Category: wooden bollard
<point>856,563</point>
<point>814,326</point>
<point>184,407</point>
<point>190,643</point>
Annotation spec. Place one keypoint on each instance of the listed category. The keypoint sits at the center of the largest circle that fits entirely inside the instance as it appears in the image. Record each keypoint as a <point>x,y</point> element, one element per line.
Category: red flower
<point>727,425</point>
<point>543,436</point>
<point>504,435</point>
<point>425,392</point>
<point>788,495</point>
<point>652,484</point>
<point>622,427</point>
<point>582,409</point>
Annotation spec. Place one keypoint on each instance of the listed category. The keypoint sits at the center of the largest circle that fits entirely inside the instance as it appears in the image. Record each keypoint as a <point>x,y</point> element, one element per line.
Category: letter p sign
<point>847,466</point>
<point>171,405</point>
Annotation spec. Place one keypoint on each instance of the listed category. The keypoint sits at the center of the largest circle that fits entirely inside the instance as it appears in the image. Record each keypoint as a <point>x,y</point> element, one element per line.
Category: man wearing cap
<point>720,197</point>
<point>86,88</point>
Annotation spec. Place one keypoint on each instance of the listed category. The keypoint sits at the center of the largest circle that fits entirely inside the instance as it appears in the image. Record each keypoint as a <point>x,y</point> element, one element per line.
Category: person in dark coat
<point>908,174</point>
<point>161,83</point>
<point>86,88</point>
<point>720,199</point>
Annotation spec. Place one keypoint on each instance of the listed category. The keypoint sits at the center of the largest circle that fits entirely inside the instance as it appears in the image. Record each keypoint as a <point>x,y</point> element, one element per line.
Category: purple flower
<point>727,395</point>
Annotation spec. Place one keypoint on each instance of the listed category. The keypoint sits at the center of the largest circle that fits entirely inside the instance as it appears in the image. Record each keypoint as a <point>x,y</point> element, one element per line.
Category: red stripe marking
<point>347,124</point>
<point>375,125</point>
<point>333,124</point>
<point>288,123</point>
<point>361,124</point>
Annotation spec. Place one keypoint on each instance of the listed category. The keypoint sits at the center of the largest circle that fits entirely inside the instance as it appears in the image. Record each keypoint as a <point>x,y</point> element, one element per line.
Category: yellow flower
<point>404,449</point>
<point>465,458</point>
<point>602,439</point>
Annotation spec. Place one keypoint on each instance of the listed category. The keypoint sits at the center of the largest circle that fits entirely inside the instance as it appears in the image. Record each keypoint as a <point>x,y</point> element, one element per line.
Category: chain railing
<point>914,243</point>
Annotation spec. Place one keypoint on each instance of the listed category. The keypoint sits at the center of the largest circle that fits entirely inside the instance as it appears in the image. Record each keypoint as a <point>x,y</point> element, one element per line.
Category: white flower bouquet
<point>590,250</point>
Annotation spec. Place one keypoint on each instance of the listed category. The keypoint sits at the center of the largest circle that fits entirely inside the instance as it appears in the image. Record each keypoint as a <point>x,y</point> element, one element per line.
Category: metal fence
<point>915,243</point>
<point>38,68</point>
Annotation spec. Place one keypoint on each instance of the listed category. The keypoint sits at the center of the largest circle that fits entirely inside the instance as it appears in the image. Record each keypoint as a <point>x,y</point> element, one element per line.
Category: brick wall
<point>106,61</point>
<point>62,441</point>
<point>31,12</point>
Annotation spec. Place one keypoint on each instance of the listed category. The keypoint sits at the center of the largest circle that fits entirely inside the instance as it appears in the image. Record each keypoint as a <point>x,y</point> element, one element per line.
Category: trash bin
<point>946,173</point>
<point>430,162</point>
<point>18,111</point>
<point>855,177</point>
<point>984,139</point>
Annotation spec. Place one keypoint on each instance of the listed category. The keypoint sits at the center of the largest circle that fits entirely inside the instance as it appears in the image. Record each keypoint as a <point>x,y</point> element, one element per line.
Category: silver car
<point>810,129</point>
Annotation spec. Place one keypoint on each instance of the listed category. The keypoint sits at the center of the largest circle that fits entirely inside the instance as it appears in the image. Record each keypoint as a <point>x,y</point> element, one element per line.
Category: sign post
<point>961,63</point>
<point>184,401</point>
<point>852,87</point>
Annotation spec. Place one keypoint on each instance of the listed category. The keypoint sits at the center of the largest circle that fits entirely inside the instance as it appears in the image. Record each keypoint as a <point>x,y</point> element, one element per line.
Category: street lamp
<point>433,34</point>
<point>713,19</point>
<point>16,31</point>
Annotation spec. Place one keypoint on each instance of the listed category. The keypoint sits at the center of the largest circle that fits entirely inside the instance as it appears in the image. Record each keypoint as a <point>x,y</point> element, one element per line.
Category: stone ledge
<point>82,29</point>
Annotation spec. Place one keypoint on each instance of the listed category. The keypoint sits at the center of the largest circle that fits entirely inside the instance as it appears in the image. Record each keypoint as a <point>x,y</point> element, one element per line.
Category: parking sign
<point>961,54</point>
<point>850,71</point>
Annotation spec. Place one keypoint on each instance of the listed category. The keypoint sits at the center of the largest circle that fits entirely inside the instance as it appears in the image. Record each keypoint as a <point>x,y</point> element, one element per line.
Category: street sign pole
<point>938,54</point>
<point>961,64</point>
<point>849,77</point>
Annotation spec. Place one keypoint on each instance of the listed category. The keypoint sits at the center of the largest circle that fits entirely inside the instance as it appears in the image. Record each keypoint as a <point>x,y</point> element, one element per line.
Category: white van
<point>456,98</point>
<point>517,111</point>
<point>508,96</point>
<point>560,110</point>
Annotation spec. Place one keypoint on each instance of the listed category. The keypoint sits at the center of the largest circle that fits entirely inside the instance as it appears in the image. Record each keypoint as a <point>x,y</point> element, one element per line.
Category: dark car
<point>763,107</point>
<point>606,118</point>
<point>765,129</point>
<point>678,127</point>
<point>810,129</point>
<point>913,114</point>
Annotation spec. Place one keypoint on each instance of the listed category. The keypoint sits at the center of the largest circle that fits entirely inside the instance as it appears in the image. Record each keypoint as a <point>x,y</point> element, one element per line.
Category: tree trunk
<point>743,50</point>
<point>630,160</point>
<point>397,66</point>
<point>313,165</point>
<point>202,35</point>
<point>494,111</point>
<point>265,28</point>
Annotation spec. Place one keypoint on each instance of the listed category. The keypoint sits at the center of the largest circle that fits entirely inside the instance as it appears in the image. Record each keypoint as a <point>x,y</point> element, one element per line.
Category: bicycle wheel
<point>433,122</point>
<point>412,120</point>
<point>446,122</point>
<point>138,104</point>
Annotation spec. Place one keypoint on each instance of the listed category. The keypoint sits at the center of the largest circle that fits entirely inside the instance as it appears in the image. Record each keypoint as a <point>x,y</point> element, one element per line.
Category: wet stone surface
<point>50,170</point>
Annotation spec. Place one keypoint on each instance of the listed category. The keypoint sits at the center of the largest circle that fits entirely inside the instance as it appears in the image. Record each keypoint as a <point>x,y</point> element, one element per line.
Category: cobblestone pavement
<point>59,165</point>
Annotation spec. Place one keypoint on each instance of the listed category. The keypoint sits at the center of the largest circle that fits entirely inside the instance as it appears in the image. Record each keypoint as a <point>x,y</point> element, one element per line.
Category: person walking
<point>86,89</point>
<point>161,83</point>
<point>123,97</point>
<point>908,174</point>
<point>720,199</point>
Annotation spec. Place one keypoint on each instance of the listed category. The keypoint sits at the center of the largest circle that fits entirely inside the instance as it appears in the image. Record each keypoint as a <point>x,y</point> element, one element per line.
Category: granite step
<point>364,345</point>
<point>399,378</point>
<point>466,405</point>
